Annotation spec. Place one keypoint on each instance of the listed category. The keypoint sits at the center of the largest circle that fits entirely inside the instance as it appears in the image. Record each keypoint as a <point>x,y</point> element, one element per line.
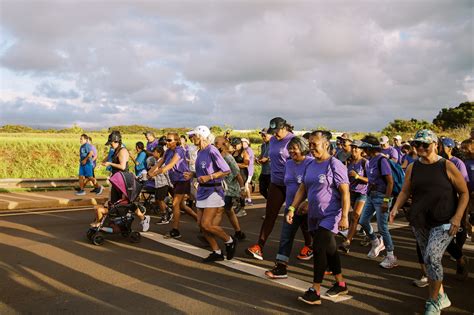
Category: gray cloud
<point>350,67</point>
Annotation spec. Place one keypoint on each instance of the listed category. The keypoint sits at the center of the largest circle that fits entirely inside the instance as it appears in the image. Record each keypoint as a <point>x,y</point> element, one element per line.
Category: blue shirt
<point>140,162</point>
<point>84,151</point>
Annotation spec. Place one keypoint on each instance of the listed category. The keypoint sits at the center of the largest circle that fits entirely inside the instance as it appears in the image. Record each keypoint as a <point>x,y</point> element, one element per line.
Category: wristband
<point>291,209</point>
<point>386,199</point>
<point>357,176</point>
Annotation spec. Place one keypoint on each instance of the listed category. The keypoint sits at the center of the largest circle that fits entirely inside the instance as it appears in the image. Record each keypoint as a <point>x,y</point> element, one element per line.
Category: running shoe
<point>365,241</point>
<point>81,193</point>
<point>277,272</point>
<point>421,283</point>
<point>337,290</point>
<point>444,301</point>
<point>310,297</point>
<point>248,202</point>
<point>361,232</point>
<point>99,190</point>
<point>462,270</point>
<point>345,247</point>
<point>239,235</point>
<point>306,253</point>
<point>343,233</point>
<point>377,247</point>
<point>163,220</point>
<point>145,224</point>
<point>255,251</point>
<point>230,248</point>
<point>213,256</point>
<point>389,262</point>
<point>94,190</point>
<point>174,233</point>
<point>241,213</point>
<point>432,307</point>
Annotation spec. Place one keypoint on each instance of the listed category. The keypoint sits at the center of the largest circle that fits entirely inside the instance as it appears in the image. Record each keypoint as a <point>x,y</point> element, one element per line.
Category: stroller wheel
<point>125,233</point>
<point>135,237</point>
<point>90,233</point>
<point>97,239</point>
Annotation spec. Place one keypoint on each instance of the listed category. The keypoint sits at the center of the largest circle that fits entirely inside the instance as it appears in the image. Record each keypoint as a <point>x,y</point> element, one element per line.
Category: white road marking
<point>29,212</point>
<point>236,264</point>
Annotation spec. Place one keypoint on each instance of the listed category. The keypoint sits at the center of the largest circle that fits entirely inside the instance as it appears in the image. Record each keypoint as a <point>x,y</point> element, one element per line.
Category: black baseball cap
<point>114,137</point>
<point>275,124</point>
<point>235,141</point>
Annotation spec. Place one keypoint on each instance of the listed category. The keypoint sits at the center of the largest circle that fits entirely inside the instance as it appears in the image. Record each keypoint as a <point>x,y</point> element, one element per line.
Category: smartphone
<point>446,227</point>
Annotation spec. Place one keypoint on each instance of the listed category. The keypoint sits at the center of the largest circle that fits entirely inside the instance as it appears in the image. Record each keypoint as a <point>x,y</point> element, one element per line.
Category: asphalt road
<point>48,266</point>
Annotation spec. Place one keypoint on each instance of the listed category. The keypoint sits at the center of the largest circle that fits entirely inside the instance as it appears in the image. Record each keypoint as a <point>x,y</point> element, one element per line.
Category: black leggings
<point>325,254</point>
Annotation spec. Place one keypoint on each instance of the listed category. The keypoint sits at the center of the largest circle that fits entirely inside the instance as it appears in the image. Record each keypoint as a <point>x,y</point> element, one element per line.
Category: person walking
<point>326,186</point>
<point>211,168</point>
<point>439,198</point>
<point>251,168</point>
<point>387,150</point>
<point>86,167</point>
<point>278,152</point>
<point>379,199</point>
<point>264,161</point>
<point>294,173</point>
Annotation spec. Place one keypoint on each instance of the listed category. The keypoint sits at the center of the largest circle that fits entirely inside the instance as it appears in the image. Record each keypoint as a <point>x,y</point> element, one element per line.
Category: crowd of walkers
<point>325,189</point>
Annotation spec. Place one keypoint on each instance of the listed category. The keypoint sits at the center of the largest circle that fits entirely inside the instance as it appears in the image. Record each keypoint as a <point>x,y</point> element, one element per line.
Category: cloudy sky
<point>347,65</point>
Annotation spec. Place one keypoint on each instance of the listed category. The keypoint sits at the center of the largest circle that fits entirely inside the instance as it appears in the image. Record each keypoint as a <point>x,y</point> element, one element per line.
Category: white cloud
<point>352,66</point>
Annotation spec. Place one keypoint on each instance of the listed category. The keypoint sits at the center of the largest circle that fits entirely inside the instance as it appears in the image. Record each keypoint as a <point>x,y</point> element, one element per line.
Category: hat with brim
<point>344,137</point>
<point>276,124</point>
<point>357,143</point>
<point>426,136</point>
<point>365,145</point>
<point>113,137</point>
<point>201,131</point>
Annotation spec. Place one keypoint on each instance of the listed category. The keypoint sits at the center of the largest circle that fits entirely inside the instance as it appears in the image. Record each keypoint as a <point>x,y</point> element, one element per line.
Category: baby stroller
<point>121,214</point>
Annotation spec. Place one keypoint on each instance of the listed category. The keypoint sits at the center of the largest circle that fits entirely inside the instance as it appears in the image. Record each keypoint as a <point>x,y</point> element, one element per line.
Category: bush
<point>457,117</point>
<point>407,126</point>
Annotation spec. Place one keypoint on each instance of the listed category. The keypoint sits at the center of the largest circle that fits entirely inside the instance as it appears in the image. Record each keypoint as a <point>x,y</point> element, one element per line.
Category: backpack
<point>398,175</point>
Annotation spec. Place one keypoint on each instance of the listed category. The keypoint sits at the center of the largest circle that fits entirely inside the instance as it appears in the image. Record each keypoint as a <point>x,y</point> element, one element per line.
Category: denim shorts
<point>357,197</point>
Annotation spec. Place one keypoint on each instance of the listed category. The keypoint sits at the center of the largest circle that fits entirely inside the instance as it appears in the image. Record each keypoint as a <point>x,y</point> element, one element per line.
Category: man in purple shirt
<point>397,145</point>
<point>448,145</point>
<point>388,150</point>
<point>152,142</point>
<point>379,199</point>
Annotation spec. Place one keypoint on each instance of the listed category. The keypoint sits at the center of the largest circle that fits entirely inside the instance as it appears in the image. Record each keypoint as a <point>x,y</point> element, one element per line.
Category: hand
<point>353,173</point>
<point>289,217</point>
<point>204,179</point>
<point>188,175</point>
<point>384,206</point>
<point>393,214</point>
<point>344,223</point>
<point>106,164</point>
<point>455,224</point>
<point>159,171</point>
<point>83,162</point>
<point>303,208</point>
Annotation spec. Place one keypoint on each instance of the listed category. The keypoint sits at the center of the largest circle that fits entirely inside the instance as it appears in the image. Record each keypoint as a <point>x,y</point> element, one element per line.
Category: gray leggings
<point>433,243</point>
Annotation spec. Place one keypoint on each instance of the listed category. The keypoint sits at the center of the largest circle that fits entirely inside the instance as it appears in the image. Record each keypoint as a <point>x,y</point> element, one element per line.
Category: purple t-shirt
<point>294,173</point>
<point>470,173</point>
<point>400,154</point>
<point>355,184</point>
<point>461,167</point>
<point>94,150</point>
<point>322,181</point>
<point>210,161</point>
<point>278,153</point>
<point>375,176</point>
<point>391,152</point>
<point>251,167</point>
<point>176,173</point>
<point>150,146</point>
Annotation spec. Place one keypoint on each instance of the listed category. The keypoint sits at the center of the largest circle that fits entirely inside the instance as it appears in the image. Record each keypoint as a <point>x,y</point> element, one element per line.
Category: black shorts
<point>229,202</point>
<point>161,193</point>
<point>182,188</point>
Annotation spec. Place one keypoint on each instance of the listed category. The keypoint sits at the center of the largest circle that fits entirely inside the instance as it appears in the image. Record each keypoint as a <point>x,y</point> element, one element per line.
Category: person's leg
<point>321,241</point>
<point>81,182</point>
<point>382,223</point>
<point>187,209</point>
<point>287,237</point>
<point>367,214</point>
<point>356,214</point>
<point>276,198</point>
<point>264,183</point>
<point>206,221</point>
<point>207,224</point>
<point>177,199</point>
<point>234,221</point>
<point>308,239</point>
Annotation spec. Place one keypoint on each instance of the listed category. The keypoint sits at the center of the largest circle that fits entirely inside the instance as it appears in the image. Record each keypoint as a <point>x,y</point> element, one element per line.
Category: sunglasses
<point>418,144</point>
<point>169,140</point>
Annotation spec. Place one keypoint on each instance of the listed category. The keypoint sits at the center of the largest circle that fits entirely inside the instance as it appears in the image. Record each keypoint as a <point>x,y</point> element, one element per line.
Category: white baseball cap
<point>202,131</point>
<point>245,140</point>
<point>383,140</point>
<point>398,137</point>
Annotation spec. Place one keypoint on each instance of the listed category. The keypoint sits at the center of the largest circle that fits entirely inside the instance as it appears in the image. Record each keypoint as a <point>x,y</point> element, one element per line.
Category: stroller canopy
<point>127,184</point>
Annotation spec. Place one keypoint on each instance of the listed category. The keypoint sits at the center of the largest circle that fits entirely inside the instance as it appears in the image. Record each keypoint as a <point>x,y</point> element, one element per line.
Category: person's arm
<point>460,185</point>
<point>174,160</point>
<point>403,195</point>
<point>123,158</point>
<point>154,169</point>
<point>300,196</point>
<point>89,155</point>
<point>405,163</point>
<point>388,193</point>
<point>246,160</point>
<point>346,204</point>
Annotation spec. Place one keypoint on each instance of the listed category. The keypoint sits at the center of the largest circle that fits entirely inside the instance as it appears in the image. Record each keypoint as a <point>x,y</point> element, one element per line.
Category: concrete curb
<point>52,203</point>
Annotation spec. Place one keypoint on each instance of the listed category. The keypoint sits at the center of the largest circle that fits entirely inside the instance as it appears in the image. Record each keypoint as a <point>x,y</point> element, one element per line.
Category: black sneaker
<point>230,248</point>
<point>94,190</point>
<point>213,256</point>
<point>337,290</point>
<point>240,235</point>
<point>310,297</point>
<point>174,233</point>
<point>163,220</point>
<point>345,247</point>
<point>462,270</point>
<point>277,272</point>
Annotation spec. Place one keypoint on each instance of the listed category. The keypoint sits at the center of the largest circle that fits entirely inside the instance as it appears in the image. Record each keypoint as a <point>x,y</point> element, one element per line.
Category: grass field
<point>55,155</point>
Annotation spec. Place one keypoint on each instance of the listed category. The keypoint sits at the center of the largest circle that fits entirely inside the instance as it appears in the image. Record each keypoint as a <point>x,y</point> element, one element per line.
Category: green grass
<point>56,155</point>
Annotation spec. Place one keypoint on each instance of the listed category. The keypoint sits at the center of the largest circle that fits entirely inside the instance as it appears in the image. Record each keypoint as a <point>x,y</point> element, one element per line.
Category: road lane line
<point>239,265</point>
<point>29,212</point>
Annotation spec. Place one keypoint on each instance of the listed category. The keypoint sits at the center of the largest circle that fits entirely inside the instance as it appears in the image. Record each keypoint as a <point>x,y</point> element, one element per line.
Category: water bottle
<point>107,229</point>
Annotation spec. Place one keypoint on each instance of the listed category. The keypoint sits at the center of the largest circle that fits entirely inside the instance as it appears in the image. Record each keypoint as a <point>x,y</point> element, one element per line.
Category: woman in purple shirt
<point>211,168</point>
<point>174,162</point>
<point>278,154</point>
<point>326,186</point>
<point>294,172</point>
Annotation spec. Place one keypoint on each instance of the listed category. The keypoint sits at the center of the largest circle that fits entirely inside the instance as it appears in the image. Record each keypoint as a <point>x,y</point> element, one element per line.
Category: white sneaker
<point>241,213</point>
<point>421,283</point>
<point>389,262</point>
<point>377,247</point>
<point>145,223</point>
